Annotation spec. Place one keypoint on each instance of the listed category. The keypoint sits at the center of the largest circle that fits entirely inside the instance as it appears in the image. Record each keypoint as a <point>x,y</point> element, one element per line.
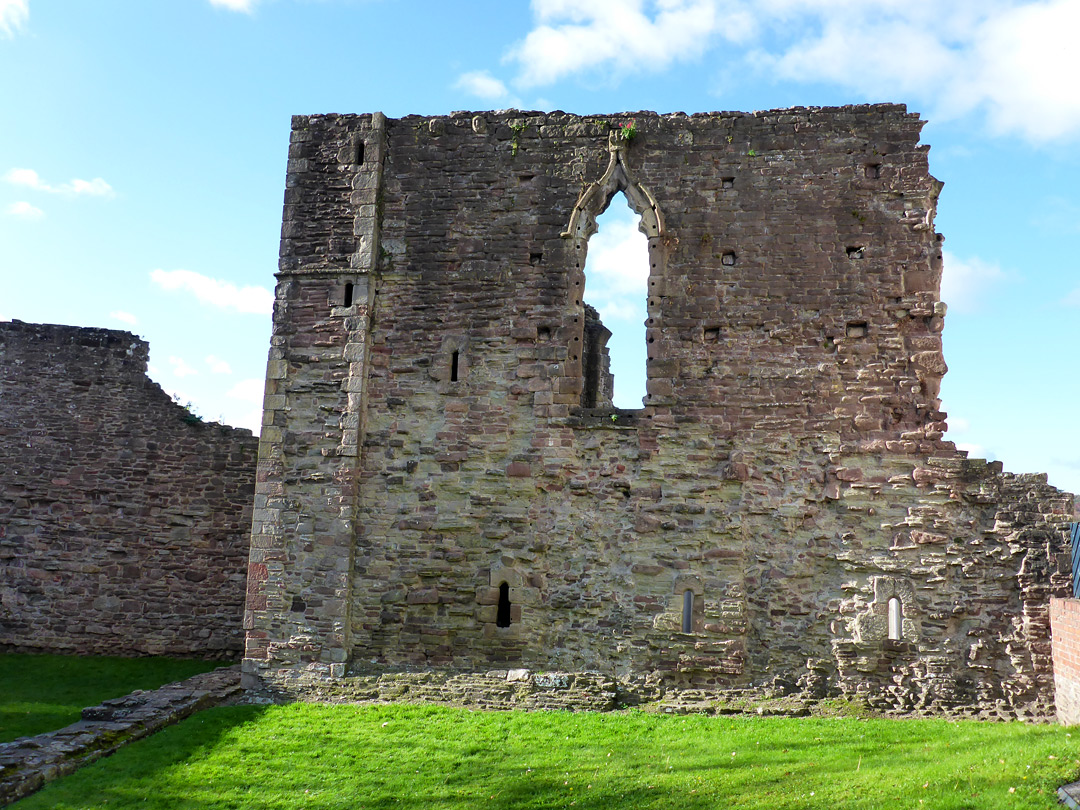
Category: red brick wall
<point>1065,631</point>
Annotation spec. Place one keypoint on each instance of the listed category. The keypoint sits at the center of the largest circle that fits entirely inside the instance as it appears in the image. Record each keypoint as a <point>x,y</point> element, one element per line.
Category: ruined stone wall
<point>788,468</point>
<point>123,518</point>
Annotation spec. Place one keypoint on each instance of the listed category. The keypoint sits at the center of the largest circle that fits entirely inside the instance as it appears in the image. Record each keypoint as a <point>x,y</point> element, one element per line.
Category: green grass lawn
<point>46,692</point>
<point>312,756</point>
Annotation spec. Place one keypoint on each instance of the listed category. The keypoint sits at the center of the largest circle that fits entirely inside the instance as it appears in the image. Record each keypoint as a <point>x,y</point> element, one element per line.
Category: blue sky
<point>143,146</point>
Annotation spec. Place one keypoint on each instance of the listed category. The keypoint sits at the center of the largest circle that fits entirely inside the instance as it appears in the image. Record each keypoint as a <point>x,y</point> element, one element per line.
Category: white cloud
<point>250,390</point>
<point>1073,298</point>
<point>180,368</point>
<point>245,6</point>
<point>216,292</point>
<point>73,188</point>
<point>1026,68</point>
<point>965,282</point>
<point>24,210</point>
<point>124,317</point>
<point>23,177</point>
<point>617,267</point>
<point>974,450</point>
<point>958,424</point>
<point>13,13</point>
<point>1014,60</point>
<point>250,419</point>
<point>482,84</point>
<point>217,365</point>
<point>618,258</point>
<point>619,309</point>
<point>576,35</point>
<point>94,188</point>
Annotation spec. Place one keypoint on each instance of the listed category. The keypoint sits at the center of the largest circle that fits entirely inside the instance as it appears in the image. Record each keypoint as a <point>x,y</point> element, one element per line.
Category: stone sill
<point>606,418</point>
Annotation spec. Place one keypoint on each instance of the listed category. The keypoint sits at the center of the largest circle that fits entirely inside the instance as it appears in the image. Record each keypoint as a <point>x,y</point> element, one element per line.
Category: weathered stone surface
<point>28,763</point>
<point>787,468</point>
<point>123,519</point>
<point>497,689</point>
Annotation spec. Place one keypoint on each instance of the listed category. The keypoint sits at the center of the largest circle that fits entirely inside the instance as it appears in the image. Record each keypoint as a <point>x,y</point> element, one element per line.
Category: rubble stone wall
<point>427,445</point>
<point>124,519</point>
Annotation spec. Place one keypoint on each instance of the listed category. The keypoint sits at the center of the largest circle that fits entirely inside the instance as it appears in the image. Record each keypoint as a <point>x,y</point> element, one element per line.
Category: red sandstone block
<point>518,469</point>
<point>255,649</point>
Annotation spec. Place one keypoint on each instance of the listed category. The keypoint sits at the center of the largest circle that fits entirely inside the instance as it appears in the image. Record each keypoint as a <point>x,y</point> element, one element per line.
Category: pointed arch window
<point>588,351</point>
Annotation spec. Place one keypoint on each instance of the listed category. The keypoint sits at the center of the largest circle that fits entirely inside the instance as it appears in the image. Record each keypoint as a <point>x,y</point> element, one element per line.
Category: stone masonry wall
<point>788,468</point>
<point>123,519</point>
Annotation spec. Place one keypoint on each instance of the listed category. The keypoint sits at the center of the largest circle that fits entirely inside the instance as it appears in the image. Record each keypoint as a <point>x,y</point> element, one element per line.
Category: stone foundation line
<point>29,763</point>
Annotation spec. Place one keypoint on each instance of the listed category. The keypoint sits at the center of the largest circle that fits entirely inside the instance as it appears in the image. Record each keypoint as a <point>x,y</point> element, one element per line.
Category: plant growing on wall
<point>628,130</point>
<point>189,416</point>
<point>518,127</point>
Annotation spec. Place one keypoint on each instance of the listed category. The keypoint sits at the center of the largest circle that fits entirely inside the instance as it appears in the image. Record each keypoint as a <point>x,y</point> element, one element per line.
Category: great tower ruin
<point>444,487</point>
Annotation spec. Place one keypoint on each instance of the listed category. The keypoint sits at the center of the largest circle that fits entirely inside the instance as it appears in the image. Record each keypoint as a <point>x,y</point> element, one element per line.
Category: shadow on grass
<point>139,774</point>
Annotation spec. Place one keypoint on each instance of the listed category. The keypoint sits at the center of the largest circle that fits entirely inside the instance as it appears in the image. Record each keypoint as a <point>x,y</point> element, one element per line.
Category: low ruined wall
<point>1065,623</point>
<point>29,763</point>
<point>123,518</point>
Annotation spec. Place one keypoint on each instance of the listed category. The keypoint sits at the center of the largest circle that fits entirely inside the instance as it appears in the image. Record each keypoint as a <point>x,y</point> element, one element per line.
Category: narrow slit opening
<point>896,619</point>
<point>688,612</point>
<point>348,294</point>
<point>502,618</point>
<point>454,366</point>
